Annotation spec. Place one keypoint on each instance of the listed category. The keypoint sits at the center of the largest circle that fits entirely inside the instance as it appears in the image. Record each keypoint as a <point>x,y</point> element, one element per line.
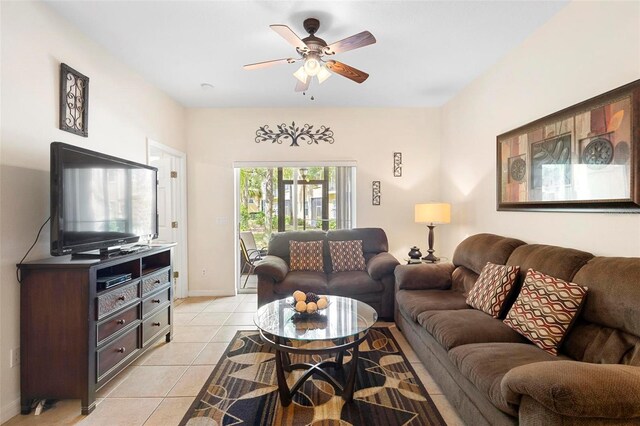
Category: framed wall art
<point>375,193</point>
<point>397,164</point>
<point>74,101</point>
<point>583,158</point>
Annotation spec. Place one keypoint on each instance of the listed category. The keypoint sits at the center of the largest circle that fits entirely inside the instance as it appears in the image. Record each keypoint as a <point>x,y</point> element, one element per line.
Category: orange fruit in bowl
<point>299,296</point>
<point>311,307</point>
<point>322,303</point>
<point>301,306</point>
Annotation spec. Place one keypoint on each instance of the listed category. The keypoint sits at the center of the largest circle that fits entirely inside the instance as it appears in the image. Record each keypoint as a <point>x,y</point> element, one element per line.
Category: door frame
<point>180,188</point>
<point>237,165</point>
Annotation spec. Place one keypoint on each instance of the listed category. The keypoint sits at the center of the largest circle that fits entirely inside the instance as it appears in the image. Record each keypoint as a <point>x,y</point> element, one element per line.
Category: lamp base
<point>430,258</point>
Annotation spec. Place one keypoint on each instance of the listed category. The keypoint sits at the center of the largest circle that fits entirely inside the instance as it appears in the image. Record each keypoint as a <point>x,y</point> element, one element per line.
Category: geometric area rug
<point>243,389</point>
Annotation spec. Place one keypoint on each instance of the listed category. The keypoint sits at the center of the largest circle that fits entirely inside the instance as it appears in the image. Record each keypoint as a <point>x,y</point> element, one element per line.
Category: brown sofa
<point>493,375</point>
<point>374,286</point>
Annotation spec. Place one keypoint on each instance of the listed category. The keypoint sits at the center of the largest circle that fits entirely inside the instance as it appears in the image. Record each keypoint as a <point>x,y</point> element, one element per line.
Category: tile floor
<point>174,373</point>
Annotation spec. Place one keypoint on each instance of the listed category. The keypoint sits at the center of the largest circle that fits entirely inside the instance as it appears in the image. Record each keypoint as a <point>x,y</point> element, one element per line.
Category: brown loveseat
<point>374,286</point>
<point>492,374</point>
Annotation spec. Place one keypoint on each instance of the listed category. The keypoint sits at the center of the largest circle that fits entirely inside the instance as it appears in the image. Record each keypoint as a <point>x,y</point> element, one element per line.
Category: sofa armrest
<point>424,276</point>
<point>381,264</point>
<point>577,389</point>
<point>272,266</point>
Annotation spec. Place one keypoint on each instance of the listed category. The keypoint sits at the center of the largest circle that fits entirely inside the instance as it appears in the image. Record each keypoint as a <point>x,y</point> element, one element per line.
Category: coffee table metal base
<point>283,364</point>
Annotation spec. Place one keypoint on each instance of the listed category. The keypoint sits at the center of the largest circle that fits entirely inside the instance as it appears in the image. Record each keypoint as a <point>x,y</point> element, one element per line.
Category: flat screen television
<point>99,202</point>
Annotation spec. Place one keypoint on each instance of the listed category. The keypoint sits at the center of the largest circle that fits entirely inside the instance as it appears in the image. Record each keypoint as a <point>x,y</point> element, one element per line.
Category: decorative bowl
<point>292,302</point>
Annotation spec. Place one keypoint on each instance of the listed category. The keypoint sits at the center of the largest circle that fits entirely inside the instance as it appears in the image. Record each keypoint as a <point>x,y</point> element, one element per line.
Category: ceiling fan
<point>313,50</point>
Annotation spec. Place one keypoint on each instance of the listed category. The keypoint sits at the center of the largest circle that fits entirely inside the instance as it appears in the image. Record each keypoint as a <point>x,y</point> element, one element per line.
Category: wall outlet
<point>14,357</point>
<point>204,272</point>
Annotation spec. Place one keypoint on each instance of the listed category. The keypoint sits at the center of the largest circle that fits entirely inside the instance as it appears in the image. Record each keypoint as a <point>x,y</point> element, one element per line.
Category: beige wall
<point>369,136</point>
<point>123,111</point>
<point>587,49</point>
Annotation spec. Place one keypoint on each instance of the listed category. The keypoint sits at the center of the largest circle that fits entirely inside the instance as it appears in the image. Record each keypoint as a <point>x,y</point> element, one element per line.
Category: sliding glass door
<point>287,198</point>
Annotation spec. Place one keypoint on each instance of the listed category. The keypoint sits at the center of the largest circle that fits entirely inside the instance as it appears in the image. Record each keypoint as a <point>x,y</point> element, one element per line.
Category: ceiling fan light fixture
<point>323,74</point>
<point>301,75</point>
<point>312,64</point>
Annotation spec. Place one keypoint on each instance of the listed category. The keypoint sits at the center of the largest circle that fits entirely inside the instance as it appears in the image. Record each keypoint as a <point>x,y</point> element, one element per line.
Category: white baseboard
<point>211,293</point>
<point>9,410</point>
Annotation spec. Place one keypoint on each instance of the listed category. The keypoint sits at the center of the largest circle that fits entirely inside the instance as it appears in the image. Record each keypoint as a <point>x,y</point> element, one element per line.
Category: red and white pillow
<point>490,291</point>
<point>306,256</point>
<point>545,309</point>
<point>347,255</point>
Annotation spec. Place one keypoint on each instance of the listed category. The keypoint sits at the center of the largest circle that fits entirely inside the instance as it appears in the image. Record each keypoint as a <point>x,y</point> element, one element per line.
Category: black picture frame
<point>375,193</point>
<point>584,158</point>
<point>74,101</point>
<point>397,164</point>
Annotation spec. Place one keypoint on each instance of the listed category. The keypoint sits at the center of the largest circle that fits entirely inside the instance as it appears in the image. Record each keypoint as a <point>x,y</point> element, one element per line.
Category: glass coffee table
<point>343,325</point>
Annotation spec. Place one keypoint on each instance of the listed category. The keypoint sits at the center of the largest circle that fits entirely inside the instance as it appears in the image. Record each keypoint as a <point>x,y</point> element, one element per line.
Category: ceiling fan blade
<point>302,87</point>
<point>347,71</point>
<point>288,34</point>
<point>267,64</point>
<point>356,41</point>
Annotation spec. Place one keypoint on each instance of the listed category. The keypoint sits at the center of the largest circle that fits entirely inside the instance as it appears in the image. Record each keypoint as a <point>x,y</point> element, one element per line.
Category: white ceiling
<point>426,51</point>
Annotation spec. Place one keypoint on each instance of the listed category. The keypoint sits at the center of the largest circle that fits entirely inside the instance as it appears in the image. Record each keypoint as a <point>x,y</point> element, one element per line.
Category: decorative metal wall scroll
<point>294,134</point>
<point>74,101</point>
<point>583,158</point>
<point>375,193</point>
<point>397,164</point>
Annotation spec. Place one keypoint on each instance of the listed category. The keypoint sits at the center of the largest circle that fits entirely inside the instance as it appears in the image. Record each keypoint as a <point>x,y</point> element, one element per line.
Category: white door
<point>172,209</point>
<point>166,206</point>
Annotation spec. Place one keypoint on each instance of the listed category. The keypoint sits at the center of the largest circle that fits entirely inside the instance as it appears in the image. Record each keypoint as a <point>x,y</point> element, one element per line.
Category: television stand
<point>77,334</point>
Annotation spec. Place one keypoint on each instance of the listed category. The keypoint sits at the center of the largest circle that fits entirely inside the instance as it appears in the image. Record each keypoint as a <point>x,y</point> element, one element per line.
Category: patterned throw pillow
<point>347,255</point>
<point>306,256</point>
<point>545,309</point>
<point>492,288</point>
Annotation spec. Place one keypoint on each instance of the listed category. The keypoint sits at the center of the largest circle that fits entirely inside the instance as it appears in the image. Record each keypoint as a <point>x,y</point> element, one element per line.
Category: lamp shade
<point>433,213</point>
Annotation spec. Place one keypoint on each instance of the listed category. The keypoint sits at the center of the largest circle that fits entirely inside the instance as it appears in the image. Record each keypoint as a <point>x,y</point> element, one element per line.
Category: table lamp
<point>432,214</point>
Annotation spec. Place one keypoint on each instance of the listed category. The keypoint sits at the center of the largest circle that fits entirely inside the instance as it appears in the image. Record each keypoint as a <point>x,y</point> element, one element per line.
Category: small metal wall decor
<point>294,134</point>
<point>583,158</point>
<point>397,164</point>
<point>375,193</point>
<point>74,101</point>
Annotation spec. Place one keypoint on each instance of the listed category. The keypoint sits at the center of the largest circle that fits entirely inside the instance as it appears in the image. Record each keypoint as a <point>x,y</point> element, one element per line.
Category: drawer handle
<point>155,324</point>
<point>122,298</point>
<point>156,282</point>
<point>121,350</point>
<point>121,322</point>
<point>155,300</point>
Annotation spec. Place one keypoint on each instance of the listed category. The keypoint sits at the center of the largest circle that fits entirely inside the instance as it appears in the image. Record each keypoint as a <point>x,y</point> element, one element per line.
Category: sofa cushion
<point>353,282</point>
<point>492,288</point>
<point>485,364</point>
<point>306,256</point>
<point>347,255</point>
<point>475,251</point>
<point>303,281</point>
<point>279,242</point>
<point>559,262</point>
<point>461,327</point>
<point>608,329</point>
<point>544,309</point>
<point>463,279</point>
<point>424,276</point>
<point>414,302</point>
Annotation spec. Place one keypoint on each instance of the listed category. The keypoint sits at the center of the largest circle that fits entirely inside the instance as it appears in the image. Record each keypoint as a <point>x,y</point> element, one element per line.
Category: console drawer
<point>155,324</point>
<point>155,301</point>
<point>155,280</point>
<point>117,298</point>
<point>117,323</point>
<point>117,351</point>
